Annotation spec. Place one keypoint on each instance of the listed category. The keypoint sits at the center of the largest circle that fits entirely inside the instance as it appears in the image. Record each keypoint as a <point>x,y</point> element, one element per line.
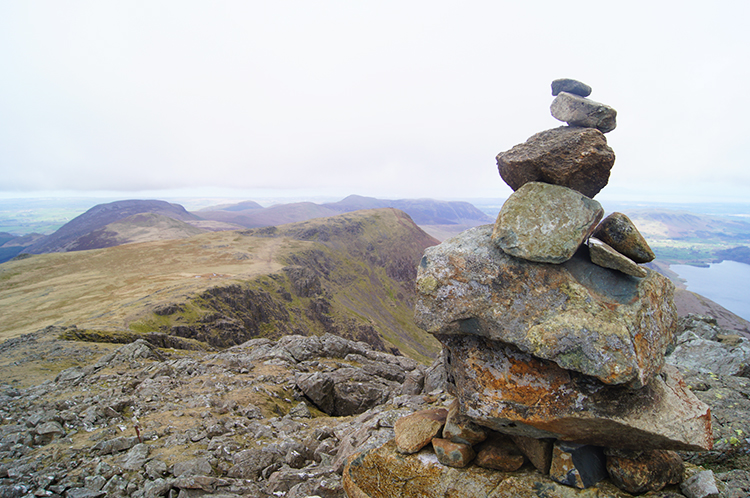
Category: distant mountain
<point>424,212</point>
<point>12,245</point>
<point>98,217</point>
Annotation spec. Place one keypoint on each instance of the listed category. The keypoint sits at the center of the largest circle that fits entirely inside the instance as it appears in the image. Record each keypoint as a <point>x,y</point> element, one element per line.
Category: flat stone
<point>385,473</point>
<point>643,471</point>
<point>453,454</point>
<point>571,86</point>
<point>620,233</point>
<point>500,453</point>
<point>576,465</point>
<point>700,485</point>
<point>538,451</point>
<point>415,431</point>
<point>513,392</point>
<point>460,429</point>
<point>545,223</point>
<point>580,111</point>
<point>606,257</point>
<point>572,157</point>
<point>586,318</point>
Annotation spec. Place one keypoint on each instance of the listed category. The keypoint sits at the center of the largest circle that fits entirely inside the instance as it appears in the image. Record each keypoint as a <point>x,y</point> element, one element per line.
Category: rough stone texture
<point>693,352</point>
<point>572,157</point>
<point>385,473</point>
<point>580,111</point>
<point>500,453</point>
<point>576,465</point>
<point>617,231</point>
<point>571,86</point>
<point>415,431</point>
<point>643,471</point>
<point>460,429</point>
<point>606,257</point>
<point>585,318</point>
<point>700,485</point>
<point>545,223</point>
<point>453,454</point>
<point>538,451</point>
<point>513,392</point>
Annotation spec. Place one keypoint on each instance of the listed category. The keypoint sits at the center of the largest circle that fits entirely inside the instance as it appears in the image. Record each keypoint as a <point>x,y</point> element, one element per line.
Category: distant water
<point>726,283</point>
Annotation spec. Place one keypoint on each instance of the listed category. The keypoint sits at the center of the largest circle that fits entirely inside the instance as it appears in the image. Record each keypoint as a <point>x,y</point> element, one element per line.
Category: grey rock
<point>94,482</point>
<point>606,257</point>
<point>571,86</point>
<point>586,318</point>
<point>701,485</point>
<point>157,487</point>
<point>576,465</point>
<point>193,467</point>
<point>573,157</point>
<point>135,458</point>
<point>249,463</point>
<point>545,223</point>
<point>345,391</point>
<point>83,493</point>
<point>114,445</point>
<point>156,468</point>
<point>706,356</point>
<point>619,232</point>
<point>435,379</point>
<point>580,111</point>
<point>414,382</point>
<point>71,375</point>
<point>300,410</point>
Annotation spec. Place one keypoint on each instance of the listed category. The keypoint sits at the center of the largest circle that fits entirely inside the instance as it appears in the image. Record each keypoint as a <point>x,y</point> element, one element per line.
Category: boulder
<point>586,318</point>
<point>711,357</point>
<point>545,223</point>
<point>571,86</point>
<point>700,485</point>
<point>509,391</point>
<point>460,429</point>
<point>384,473</point>
<point>606,257</point>
<point>572,157</point>
<point>538,451</point>
<point>579,111</point>
<point>643,471</point>
<point>580,466</point>
<point>617,231</point>
<point>453,454</point>
<point>415,431</point>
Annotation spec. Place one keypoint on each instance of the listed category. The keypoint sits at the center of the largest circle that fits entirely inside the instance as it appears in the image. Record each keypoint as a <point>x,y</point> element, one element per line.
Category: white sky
<point>388,98</point>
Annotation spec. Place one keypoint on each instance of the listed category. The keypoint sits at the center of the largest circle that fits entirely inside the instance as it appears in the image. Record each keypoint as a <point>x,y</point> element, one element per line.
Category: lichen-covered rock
<point>500,453</point>
<point>572,157</point>
<point>579,111</point>
<point>415,431</point>
<point>606,257</point>
<point>643,471</point>
<point>583,317</point>
<point>545,223</point>
<point>460,429</point>
<point>617,231</point>
<point>453,454</point>
<point>580,466</point>
<point>513,392</point>
<point>538,451</point>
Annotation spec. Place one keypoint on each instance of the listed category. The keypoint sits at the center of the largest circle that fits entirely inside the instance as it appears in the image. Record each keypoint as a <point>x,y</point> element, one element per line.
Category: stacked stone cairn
<point>554,335</point>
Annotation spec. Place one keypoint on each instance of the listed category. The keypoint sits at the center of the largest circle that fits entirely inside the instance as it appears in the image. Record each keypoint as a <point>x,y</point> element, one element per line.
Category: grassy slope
<point>365,280</point>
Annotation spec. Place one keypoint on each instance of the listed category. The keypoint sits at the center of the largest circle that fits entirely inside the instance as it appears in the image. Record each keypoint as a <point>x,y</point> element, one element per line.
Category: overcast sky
<point>388,98</point>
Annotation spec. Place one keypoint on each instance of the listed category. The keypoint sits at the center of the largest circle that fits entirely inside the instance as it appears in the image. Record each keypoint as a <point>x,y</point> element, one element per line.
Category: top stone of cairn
<point>571,86</point>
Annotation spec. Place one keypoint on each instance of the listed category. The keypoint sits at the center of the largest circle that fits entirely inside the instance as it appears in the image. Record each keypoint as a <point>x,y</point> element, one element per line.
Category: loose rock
<point>606,257</point>
<point>571,86</point>
<point>580,111</point>
<point>617,231</point>
<point>415,431</point>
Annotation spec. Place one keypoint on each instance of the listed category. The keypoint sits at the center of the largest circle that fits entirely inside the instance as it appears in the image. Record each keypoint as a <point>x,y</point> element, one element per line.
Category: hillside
<point>425,212</point>
<point>352,275</point>
<point>98,217</point>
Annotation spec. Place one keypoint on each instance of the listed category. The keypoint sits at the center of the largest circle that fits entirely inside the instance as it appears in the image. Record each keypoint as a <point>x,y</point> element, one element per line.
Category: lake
<point>727,283</point>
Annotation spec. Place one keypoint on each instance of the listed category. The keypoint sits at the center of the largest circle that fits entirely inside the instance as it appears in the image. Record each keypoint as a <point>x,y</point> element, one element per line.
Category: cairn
<point>554,336</point>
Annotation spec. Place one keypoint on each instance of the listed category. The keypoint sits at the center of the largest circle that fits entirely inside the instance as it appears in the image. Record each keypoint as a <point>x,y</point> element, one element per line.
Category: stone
<point>300,410</point>
<point>545,223</point>
<point>193,467</point>
<point>460,429</point>
<point>452,454</point>
<point>643,471</point>
<point>576,465</point>
<point>692,352</point>
<point>617,231</point>
<point>509,391</point>
<point>585,318</point>
<point>579,111</point>
<point>500,453</point>
<point>538,451</point>
<point>573,157</point>
<point>385,473</point>
<point>571,86</point>
<point>701,485</point>
<point>415,431</point>
<point>346,391</point>
<point>135,458</point>
<point>606,257</point>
